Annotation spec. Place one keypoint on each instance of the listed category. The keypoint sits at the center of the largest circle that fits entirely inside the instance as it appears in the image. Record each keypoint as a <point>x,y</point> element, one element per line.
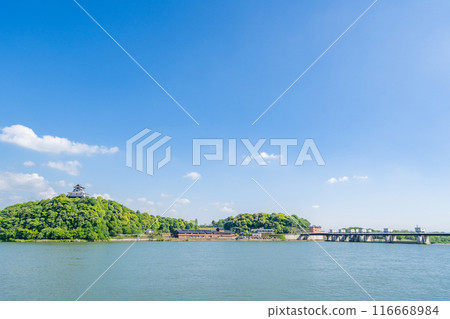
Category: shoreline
<point>174,239</point>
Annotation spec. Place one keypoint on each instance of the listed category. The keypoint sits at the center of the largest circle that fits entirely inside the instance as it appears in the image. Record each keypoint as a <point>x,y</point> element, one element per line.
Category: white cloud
<point>61,183</point>
<point>129,200</point>
<point>269,156</point>
<point>315,206</point>
<point>334,180</point>
<point>25,137</point>
<point>34,184</point>
<point>28,163</point>
<point>15,198</point>
<point>226,209</point>
<point>183,201</point>
<point>144,200</point>
<point>104,196</point>
<point>70,167</point>
<point>163,195</point>
<point>193,175</point>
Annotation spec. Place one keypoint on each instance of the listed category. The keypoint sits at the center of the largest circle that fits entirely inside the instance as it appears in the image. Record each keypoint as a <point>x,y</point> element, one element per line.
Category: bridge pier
<point>423,240</point>
<point>390,238</point>
<point>303,237</point>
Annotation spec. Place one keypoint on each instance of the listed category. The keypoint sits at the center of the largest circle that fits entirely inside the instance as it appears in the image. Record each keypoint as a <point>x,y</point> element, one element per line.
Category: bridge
<point>389,237</point>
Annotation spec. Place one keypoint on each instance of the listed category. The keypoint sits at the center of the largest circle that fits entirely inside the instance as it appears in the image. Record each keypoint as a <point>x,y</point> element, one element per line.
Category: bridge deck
<point>380,234</point>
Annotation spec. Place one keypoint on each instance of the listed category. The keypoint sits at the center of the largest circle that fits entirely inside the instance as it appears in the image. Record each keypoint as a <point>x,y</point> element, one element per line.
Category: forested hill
<point>281,223</point>
<point>65,218</point>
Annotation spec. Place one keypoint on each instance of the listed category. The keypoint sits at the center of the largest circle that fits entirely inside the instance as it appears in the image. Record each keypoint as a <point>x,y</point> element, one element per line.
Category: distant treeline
<point>63,218</point>
<point>281,223</point>
<point>439,240</point>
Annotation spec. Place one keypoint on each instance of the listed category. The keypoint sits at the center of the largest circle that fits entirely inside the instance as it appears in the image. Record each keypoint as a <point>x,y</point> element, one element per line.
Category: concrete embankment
<point>170,239</point>
<point>292,237</point>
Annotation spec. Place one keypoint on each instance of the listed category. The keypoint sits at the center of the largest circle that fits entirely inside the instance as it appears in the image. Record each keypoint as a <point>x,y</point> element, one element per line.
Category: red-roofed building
<point>315,229</point>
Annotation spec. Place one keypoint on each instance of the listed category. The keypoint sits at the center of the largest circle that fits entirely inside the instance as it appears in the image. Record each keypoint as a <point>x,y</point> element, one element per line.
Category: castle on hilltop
<point>78,192</point>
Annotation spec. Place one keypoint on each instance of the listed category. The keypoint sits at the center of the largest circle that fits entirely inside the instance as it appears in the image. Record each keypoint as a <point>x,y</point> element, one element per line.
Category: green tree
<point>62,218</point>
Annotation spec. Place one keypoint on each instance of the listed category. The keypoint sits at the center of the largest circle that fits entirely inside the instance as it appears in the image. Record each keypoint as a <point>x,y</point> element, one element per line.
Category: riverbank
<point>148,239</point>
<point>168,238</point>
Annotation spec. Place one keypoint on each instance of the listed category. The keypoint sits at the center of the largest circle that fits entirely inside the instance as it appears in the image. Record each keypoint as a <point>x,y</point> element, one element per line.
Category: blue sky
<point>376,105</point>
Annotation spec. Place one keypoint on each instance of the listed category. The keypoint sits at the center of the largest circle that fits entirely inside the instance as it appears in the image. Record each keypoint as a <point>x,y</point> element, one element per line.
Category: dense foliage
<point>65,218</point>
<point>281,223</point>
<point>439,240</point>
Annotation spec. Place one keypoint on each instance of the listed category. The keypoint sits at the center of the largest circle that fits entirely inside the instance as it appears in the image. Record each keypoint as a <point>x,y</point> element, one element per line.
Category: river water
<point>224,271</point>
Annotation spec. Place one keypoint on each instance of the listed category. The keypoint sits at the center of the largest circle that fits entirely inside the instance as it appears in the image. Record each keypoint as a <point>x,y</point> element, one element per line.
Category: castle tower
<point>78,192</point>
